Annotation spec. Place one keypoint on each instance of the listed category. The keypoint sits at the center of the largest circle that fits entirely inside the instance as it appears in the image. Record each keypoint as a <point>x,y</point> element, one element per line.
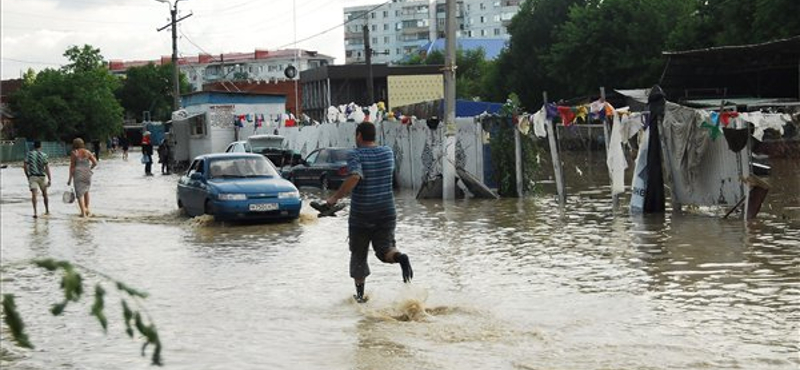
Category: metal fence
<point>15,151</point>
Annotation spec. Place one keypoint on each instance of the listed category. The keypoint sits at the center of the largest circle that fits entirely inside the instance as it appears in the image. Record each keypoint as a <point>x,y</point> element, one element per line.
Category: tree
<point>83,59</point>
<point>532,32</point>
<point>472,68</point>
<point>612,43</point>
<point>75,101</point>
<point>149,88</point>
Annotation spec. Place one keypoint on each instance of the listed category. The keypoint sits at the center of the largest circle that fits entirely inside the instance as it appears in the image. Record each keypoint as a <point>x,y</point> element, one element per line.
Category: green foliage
<point>570,48</point>
<point>72,285</point>
<point>77,100</point>
<point>83,59</point>
<point>14,322</point>
<point>150,88</point>
<point>470,75</point>
<point>503,150</point>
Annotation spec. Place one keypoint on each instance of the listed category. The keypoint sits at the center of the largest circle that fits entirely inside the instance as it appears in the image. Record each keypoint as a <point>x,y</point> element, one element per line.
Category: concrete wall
<point>418,149</point>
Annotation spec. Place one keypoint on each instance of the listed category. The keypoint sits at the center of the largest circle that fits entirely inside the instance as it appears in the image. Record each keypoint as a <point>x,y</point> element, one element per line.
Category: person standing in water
<point>123,142</point>
<point>163,156</point>
<point>147,154</point>
<point>81,164</point>
<point>36,167</point>
<point>373,217</point>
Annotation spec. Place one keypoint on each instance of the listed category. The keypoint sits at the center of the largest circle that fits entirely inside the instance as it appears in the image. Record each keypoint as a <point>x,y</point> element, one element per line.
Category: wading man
<point>36,167</point>
<point>372,212</point>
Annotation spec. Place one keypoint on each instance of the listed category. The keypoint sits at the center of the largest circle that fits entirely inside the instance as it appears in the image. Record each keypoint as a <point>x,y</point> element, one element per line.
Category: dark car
<point>270,146</point>
<point>325,168</point>
<point>237,186</point>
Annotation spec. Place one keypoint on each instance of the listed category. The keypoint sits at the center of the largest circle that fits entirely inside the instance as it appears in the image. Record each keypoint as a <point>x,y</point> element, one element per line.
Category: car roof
<point>266,136</point>
<point>227,155</point>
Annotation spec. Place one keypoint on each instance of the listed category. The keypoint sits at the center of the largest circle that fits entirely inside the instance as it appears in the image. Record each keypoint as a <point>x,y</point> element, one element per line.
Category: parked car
<point>270,146</point>
<point>237,186</point>
<point>325,168</point>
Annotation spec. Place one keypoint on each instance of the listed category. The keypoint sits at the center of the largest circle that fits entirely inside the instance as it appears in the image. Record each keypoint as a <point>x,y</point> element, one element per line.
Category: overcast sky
<point>35,33</point>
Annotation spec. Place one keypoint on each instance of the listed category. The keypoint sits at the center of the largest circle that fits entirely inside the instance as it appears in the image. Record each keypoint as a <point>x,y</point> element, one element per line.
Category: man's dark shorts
<point>361,234</point>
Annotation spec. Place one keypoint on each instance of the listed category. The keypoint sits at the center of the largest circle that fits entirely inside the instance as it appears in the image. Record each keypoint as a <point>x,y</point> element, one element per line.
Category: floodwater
<point>502,284</point>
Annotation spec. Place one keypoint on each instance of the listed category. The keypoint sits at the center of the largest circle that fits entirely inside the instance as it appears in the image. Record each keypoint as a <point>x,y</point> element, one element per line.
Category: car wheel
<point>208,209</point>
<point>323,183</point>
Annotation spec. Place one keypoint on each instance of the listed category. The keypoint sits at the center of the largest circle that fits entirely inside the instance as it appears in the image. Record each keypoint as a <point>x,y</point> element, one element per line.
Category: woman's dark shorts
<point>381,235</point>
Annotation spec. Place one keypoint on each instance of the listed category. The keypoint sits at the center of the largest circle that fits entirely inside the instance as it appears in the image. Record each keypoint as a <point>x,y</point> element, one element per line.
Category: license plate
<point>263,207</point>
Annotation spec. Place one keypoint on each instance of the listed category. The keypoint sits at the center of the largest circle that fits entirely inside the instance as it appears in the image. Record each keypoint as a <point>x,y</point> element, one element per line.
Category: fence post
<point>559,174</point>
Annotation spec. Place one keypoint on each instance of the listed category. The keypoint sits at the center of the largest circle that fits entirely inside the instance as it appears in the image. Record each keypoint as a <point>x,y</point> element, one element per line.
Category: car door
<point>320,167</point>
<point>196,188</point>
<point>302,173</point>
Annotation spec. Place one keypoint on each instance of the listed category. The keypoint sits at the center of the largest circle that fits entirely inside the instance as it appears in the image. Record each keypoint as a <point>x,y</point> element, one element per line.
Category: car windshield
<point>259,144</point>
<point>241,168</point>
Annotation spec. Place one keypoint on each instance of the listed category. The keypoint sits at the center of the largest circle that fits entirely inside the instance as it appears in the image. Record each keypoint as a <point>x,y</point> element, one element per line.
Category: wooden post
<point>559,174</point>
<point>518,160</point>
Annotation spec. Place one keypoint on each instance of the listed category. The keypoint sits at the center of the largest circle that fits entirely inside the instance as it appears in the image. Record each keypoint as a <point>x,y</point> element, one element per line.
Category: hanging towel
<point>567,115</point>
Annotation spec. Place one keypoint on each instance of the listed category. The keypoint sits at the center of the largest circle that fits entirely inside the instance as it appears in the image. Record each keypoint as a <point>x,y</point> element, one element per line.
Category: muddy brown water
<point>508,284</point>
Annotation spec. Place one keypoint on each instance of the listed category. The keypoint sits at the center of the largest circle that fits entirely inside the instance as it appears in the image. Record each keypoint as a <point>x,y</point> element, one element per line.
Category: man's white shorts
<point>37,182</point>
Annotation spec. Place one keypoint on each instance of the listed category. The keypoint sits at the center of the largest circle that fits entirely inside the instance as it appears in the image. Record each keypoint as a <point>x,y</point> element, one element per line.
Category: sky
<point>35,33</point>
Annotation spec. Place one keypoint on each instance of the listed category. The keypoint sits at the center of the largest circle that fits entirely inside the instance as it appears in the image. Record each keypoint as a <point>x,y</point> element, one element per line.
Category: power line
<point>31,62</point>
<point>337,26</point>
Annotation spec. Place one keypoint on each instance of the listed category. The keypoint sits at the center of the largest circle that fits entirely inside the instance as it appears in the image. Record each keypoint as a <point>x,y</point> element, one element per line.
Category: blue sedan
<point>237,186</point>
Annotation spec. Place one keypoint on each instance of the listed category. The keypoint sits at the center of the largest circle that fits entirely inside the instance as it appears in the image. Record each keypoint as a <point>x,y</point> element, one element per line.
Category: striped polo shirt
<point>373,198</point>
<point>36,162</point>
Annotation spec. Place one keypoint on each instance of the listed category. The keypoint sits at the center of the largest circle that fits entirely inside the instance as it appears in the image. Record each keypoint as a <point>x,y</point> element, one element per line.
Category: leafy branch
<point>72,285</point>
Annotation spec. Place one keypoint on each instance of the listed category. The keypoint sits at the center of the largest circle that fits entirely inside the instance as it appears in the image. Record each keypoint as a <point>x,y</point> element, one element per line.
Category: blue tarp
<point>469,108</point>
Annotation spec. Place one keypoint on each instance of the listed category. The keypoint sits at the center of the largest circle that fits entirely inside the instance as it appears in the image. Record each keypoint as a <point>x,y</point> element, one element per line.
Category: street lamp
<point>173,11</point>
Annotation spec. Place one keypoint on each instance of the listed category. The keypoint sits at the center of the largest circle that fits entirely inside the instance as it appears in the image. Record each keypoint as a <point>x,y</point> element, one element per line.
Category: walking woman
<point>81,164</point>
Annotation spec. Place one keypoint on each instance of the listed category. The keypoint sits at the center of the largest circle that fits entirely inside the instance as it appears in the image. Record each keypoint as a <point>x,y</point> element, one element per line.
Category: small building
<point>395,85</point>
<point>210,120</point>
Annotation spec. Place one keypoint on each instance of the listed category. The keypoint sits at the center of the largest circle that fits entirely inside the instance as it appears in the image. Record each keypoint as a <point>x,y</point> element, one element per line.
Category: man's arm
<point>25,166</point>
<point>347,186</point>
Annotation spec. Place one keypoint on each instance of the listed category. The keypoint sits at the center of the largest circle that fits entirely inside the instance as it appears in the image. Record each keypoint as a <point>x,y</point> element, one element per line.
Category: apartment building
<point>400,28</point>
<point>256,66</point>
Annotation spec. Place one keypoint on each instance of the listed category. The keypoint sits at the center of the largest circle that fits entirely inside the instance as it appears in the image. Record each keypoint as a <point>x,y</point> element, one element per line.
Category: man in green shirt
<point>36,167</point>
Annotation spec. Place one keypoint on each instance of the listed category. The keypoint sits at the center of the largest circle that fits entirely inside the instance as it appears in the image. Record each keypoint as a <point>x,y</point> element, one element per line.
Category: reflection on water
<point>507,284</point>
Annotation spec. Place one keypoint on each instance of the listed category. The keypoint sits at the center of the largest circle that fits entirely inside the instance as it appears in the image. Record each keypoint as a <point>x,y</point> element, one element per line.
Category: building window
<point>374,27</point>
<point>497,32</point>
<point>483,7</point>
<point>348,53</point>
<point>385,39</point>
<point>385,26</point>
<point>483,19</point>
<point>396,13</point>
<point>374,40</point>
<point>385,13</point>
<point>197,124</point>
<point>372,15</point>
<point>483,32</point>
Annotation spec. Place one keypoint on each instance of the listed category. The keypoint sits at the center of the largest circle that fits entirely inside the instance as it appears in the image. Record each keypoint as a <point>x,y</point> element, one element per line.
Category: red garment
<point>726,116</point>
<point>567,115</point>
<point>146,140</point>
<point>290,123</point>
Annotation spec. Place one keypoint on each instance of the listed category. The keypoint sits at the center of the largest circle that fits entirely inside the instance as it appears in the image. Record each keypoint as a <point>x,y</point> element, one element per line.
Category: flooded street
<point>502,284</point>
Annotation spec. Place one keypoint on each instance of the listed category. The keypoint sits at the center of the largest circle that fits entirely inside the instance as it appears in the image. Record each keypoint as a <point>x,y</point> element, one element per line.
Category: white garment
<point>763,121</point>
<point>615,158</point>
<point>539,121</point>
<point>640,176</point>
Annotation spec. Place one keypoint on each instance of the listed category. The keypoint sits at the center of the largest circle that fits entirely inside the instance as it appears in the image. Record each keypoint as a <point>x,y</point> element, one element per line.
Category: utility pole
<point>368,58</point>
<point>448,167</point>
<point>173,11</point>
